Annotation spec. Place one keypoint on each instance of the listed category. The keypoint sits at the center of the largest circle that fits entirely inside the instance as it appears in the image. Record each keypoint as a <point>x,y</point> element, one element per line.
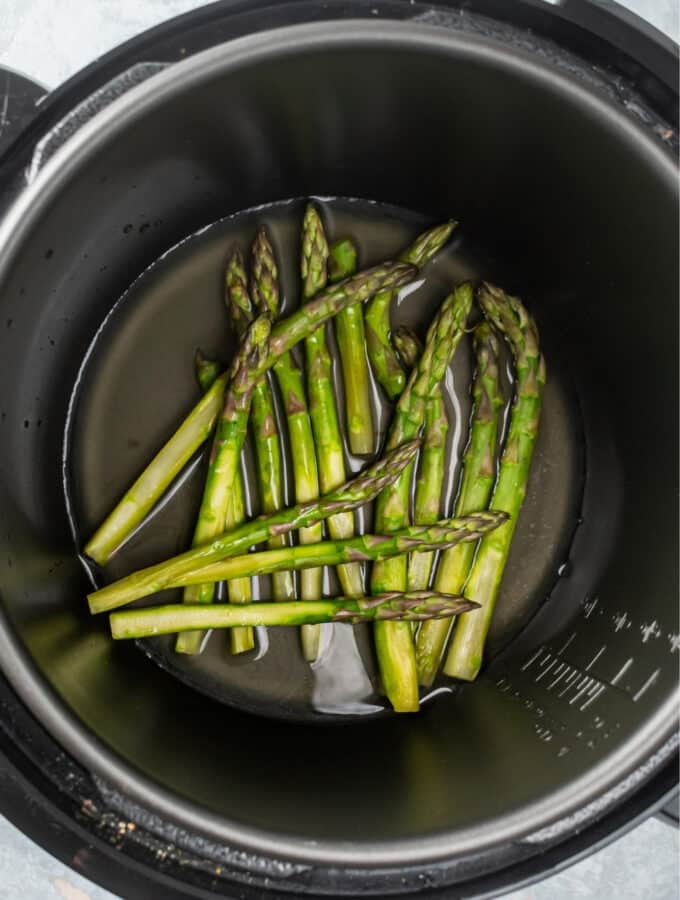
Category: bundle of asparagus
<point>463,556</point>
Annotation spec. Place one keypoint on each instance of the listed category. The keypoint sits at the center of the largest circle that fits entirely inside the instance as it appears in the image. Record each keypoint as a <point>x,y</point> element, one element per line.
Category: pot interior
<point>112,420</point>
<point>562,200</point>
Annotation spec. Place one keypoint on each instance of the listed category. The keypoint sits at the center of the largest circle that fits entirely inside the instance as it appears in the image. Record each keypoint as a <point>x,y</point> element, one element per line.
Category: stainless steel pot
<point>567,175</point>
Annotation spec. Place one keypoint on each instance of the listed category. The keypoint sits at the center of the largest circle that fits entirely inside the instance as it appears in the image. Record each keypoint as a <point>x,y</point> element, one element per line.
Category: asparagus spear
<point>207,371</point>
<point>355,493</point>
<point>147,490</point>
<point>342,260</point>
<point>351,337</point>
<point>322,408</point>
<point>479,471</point>
<point>367,548</point>
<point>268,454</point>
<point>239,589</point>
<point>430,476</point>
<point>223,490</point>
<point>265,289</point>
<point>394,642</point>
<point>141,623</point>
<point>509,317</point>
<point>429,484</point>
<point>408,346</point>
<point>386,366</point>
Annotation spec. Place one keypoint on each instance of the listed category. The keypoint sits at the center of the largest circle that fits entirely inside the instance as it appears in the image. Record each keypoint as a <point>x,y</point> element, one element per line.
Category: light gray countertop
<point>49,40</point>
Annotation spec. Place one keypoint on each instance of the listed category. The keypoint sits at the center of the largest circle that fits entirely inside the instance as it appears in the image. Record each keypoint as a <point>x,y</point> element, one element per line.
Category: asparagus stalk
<point>265,289</point>
<point>322,407</point>
<point>239,590</point>
<point>223,490</point>
<point>408,347</point>
<point>207,371</point>
<point>355,493</point>
<point>509,317</point>
<point>142,623</point>
<point>350,334</point>
<point>342,260</point>
<point>268,455</point>
<point>477,477</point>
<point>429,482</point>
<point>394,641</point>
<point>430,476</point>
<point>147,490</point>
<point>367,548</point>
<point>386,366</point>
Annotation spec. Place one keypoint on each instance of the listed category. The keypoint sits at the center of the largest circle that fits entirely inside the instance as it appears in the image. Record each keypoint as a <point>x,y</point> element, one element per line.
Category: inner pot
<point>575,205</point>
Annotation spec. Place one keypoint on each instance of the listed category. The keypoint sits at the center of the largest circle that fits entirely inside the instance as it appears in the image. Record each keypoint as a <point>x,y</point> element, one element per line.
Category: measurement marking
<point>532,659</point>
<point>545,659</point>
<point>569,640</point>
<point>559,674</point>
<point>580,693</point>
<point>589,607</point>
<point>596,657</point>
<point>560,677</point>
<point>674,640</point>
<point>622,671</point>
<point>650,681</point>
<point>620,621</point>
<point>594,694</point>
<point>650,630</point>
<point>545,671</point>
<point>570,681</point>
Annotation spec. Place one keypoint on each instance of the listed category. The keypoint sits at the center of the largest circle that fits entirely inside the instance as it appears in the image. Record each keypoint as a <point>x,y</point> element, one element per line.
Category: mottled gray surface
<point>49,40</point>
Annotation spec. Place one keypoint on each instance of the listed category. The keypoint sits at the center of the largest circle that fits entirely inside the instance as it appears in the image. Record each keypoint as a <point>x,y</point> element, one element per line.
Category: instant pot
<point>551,132</point>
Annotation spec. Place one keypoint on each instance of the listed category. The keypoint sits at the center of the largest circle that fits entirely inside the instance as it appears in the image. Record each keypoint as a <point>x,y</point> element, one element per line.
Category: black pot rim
<point>29,802</point>
<point>652,741</point>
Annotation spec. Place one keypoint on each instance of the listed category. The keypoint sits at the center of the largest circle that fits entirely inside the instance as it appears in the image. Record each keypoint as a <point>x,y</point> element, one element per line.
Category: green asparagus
<point>355,493</point>
<point>207,371</point>
<point>479,471</point>
<point>350,334</point>
<point>364,548</point>
<point>394,642</point>
<point>408,346</point>
<point>268,454</point>
<point>143,623</point>
<point>322,407</point>
<point>150,486</point>
<point>239,590</point>
<point>265,289</point>
<point>430,477</point>
<point>343,260</point>
<point>510,318</point>
<point>223,484</point>
<point>384,361</point>
<point>429,484</point>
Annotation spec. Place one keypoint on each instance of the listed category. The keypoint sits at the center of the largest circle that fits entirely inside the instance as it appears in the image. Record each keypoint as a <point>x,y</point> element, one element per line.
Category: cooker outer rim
<point>32,687</point>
